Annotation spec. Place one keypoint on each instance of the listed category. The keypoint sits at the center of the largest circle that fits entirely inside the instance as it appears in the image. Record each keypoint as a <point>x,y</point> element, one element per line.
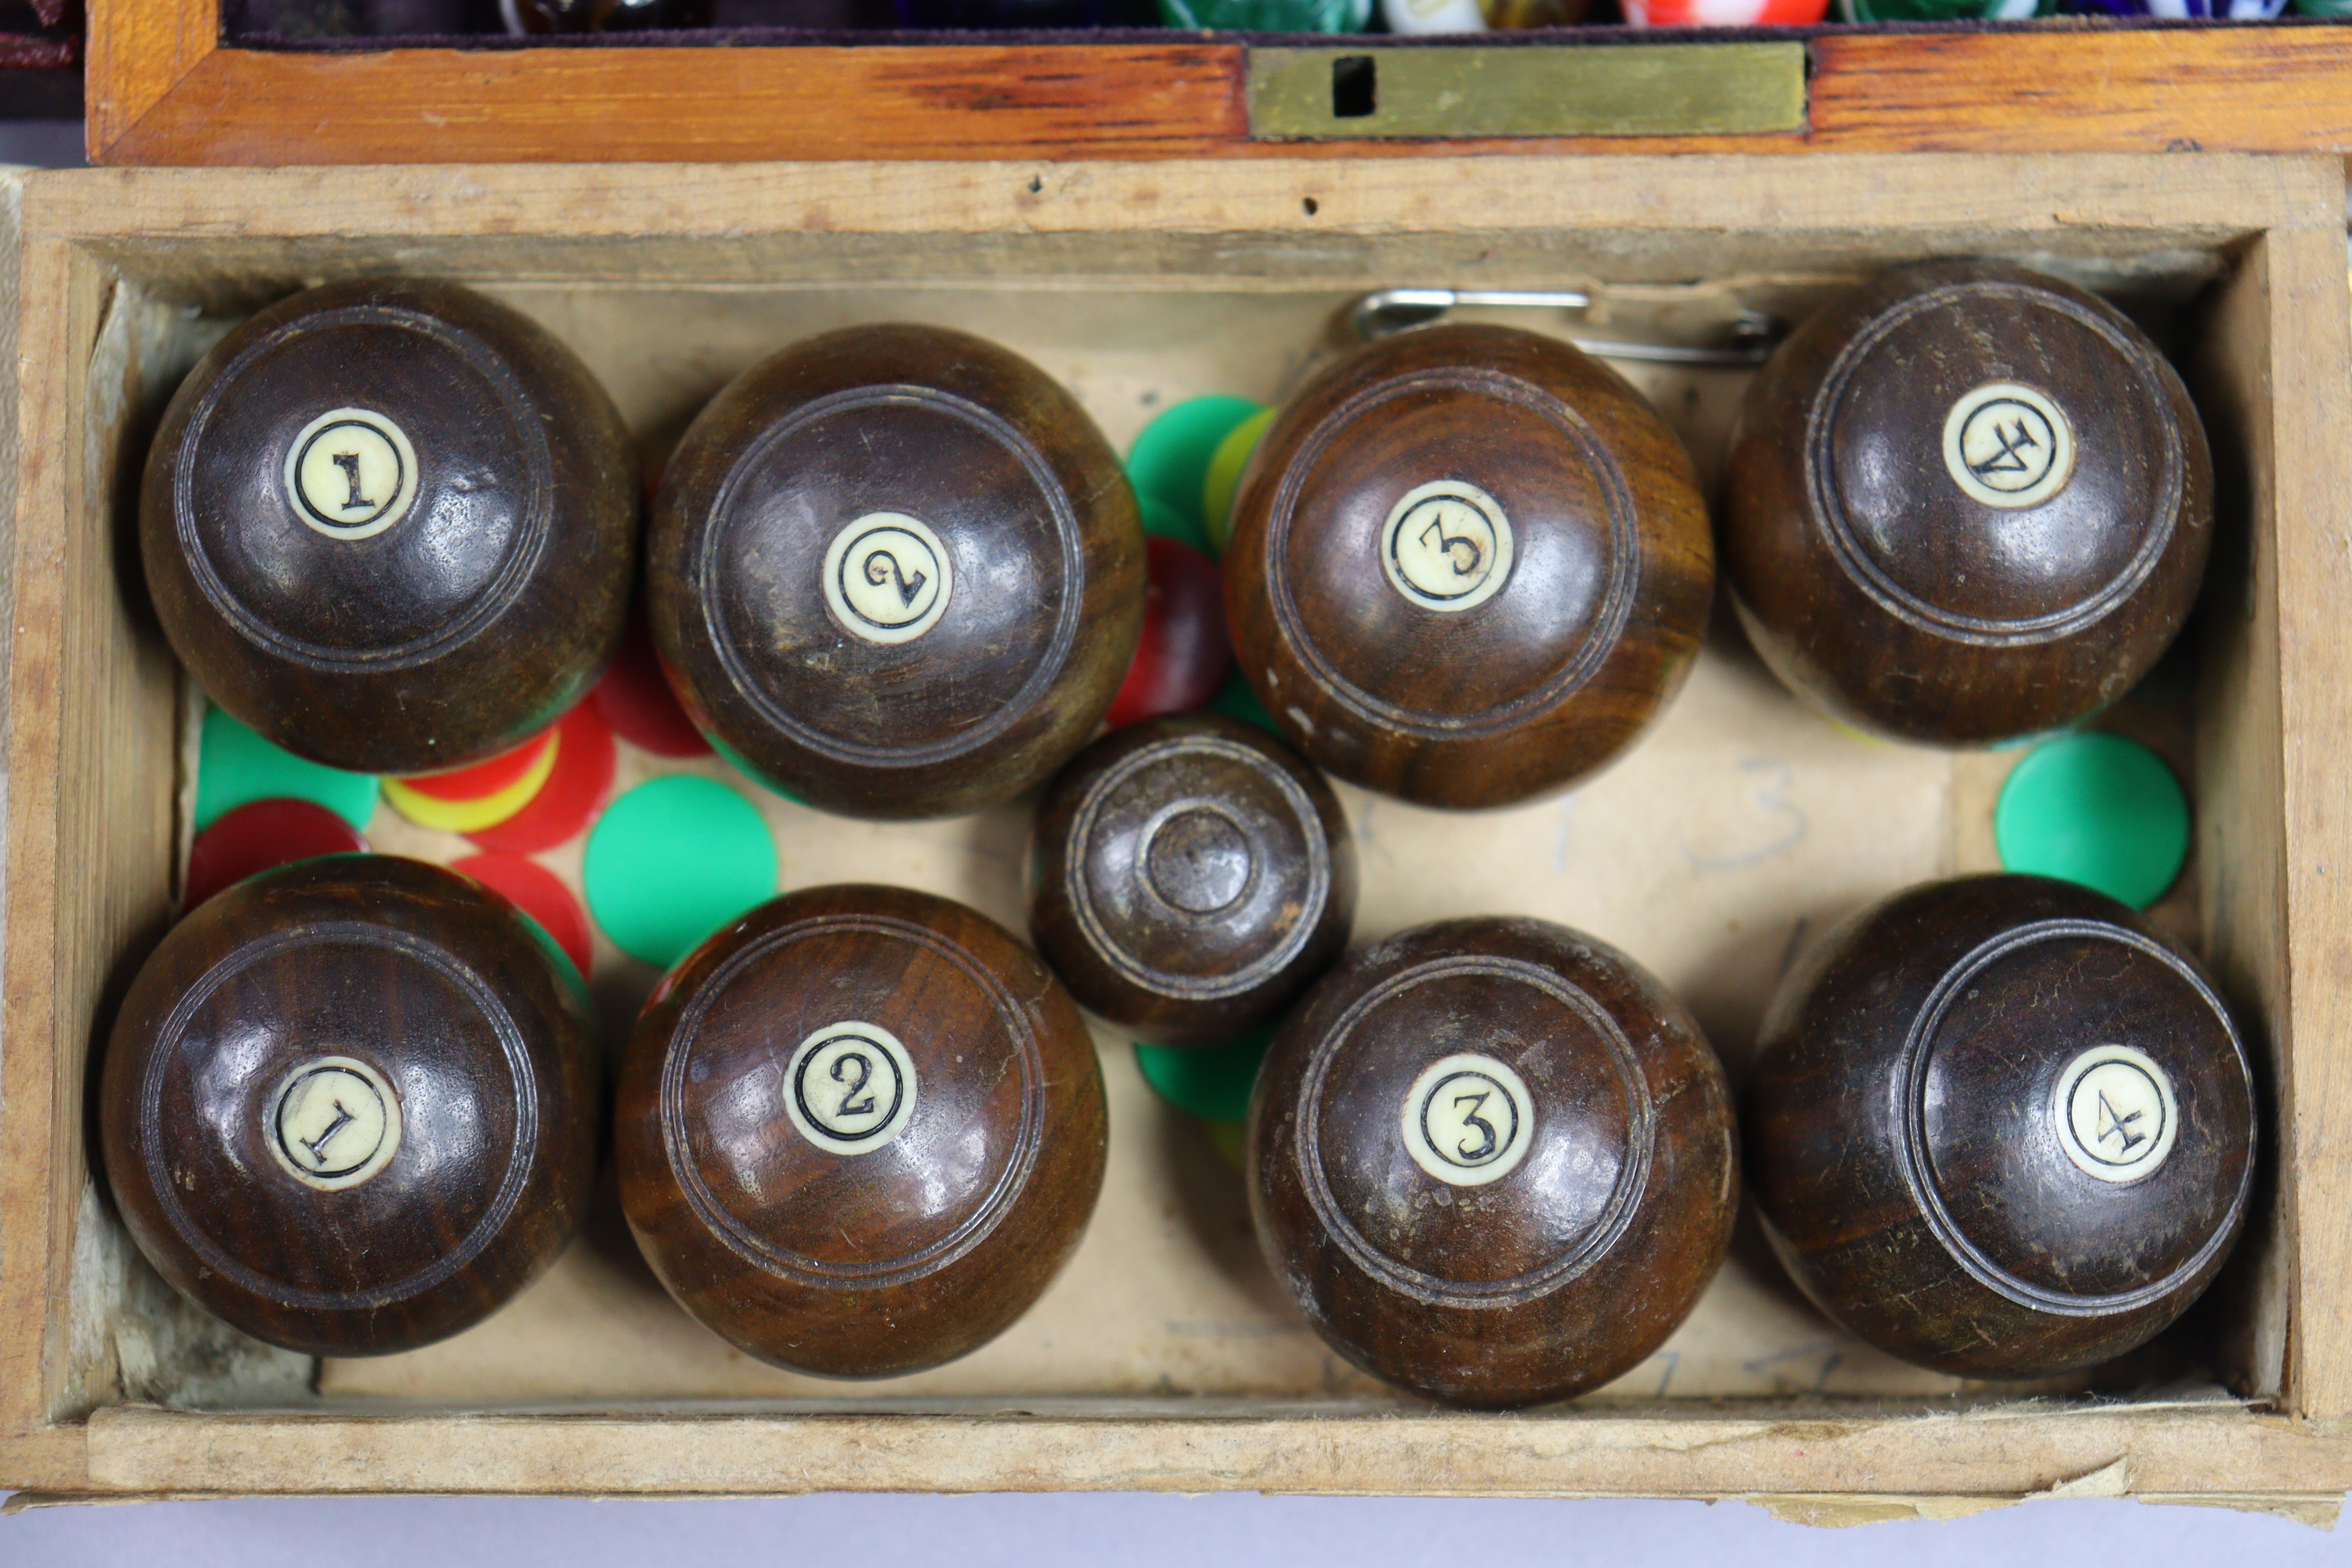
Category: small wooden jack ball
<point>350,1106</point>
<point>895,571</point>
<point>859,1130</point>
<point>2001,1127</point>
<point>1493,1160</point>
<point>1193,877</point>
<point>1469,564</point>
<point>391,526</point>
<point>1966,503</point>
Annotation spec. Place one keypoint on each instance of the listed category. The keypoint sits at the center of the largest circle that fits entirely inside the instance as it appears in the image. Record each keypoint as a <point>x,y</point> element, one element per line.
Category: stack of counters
<point>1433,17</point>
<point>1170,461</point>
<point>1224,477</point>
<point>541,898</point>
<point>1509,15</point>
<point>236,767</point>
<point>1944,10</point>
<point>1724,13</point>
<point>483,796</point>
<point>575,791</point>
<point>1183,657</point>
<point>2098,810</point>
<point>2187,10</point>
<point>674,861</point>
<point>1210,1082</point>
<point>258,835</point>
<point>1267,15</point>
<point>636,702</point>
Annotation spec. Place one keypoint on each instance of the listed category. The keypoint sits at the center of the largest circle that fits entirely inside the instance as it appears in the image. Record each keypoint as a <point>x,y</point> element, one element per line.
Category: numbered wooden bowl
<point>391,526</point>
<point>1967,502</point>
<point>896,571</point>
<point>1999,1127</point>
<point>859,1130</point>
<point>350,1105</point>
<point>1469,565</point>
<point>1492,1162</point>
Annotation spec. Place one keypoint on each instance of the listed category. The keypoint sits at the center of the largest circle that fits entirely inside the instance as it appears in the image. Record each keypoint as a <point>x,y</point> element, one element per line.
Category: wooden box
<point>1164,1358</point>
<point>168,85</point>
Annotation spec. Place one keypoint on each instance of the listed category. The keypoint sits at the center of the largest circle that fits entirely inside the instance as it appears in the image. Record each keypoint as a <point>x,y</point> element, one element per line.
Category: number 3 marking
<point>1452,542</point>
<point>1769,799</point>
<point>1485,1127</point>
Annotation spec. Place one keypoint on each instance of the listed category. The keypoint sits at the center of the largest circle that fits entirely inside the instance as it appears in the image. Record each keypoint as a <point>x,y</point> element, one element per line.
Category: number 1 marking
<point>350,463</point>
<point>318,1146</point>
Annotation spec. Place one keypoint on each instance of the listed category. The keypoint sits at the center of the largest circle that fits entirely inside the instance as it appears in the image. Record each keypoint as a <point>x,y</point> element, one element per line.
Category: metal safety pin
<point>1387,311</point>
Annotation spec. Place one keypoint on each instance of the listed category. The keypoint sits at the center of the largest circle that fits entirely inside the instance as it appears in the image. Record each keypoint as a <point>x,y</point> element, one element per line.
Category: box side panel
<point>2240,822</point>
<point>12,206</point>
<point>93,771</point>
<point>2311,419</point>
<point>37,1195</point>
<point>2005,1452</point>
<point>161,94</point>
<point>1659,218</point>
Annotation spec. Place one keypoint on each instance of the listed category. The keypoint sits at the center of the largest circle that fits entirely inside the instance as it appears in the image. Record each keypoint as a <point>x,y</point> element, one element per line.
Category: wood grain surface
<point>1604,1112</point>
<point>1916,1148</point>
<point>1008,569</point>
<point>1193,877</point>
<point>495,590</point>
<point>1469,565</point>
<point>315,1015</point>
<point>858,1205</point>
<point>1889,581</point>
<point>164,91</point>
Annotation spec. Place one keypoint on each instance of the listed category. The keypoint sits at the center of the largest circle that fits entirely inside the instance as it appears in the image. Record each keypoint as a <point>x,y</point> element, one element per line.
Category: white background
<point>1128,1530</point>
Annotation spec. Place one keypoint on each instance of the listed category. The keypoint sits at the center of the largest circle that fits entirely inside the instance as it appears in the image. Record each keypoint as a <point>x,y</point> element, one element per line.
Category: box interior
<point>1738,826</point>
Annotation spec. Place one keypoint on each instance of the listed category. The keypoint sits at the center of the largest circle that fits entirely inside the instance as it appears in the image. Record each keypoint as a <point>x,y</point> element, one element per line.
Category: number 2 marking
<point>881,566</point>
<point>850,1104</point>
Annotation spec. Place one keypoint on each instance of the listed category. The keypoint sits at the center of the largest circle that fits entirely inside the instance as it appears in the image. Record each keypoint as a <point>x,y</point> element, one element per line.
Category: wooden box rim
<point>2280,216</point>
<point>162,88</point>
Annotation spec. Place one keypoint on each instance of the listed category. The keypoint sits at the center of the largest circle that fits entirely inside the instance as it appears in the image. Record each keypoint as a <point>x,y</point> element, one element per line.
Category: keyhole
<point>1354,86</point>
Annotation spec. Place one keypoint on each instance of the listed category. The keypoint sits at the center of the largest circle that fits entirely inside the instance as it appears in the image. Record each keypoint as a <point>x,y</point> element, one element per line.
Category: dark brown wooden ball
<point>1469,564</point>
<point>1967,502</point>
<point>1193,876</point>
<point>391,526</point>
<point>1999,1127</point>
<point>896,572</point>
<point>1493,1160</point>
<point>350,1106</point>
<point>859,1130</point>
